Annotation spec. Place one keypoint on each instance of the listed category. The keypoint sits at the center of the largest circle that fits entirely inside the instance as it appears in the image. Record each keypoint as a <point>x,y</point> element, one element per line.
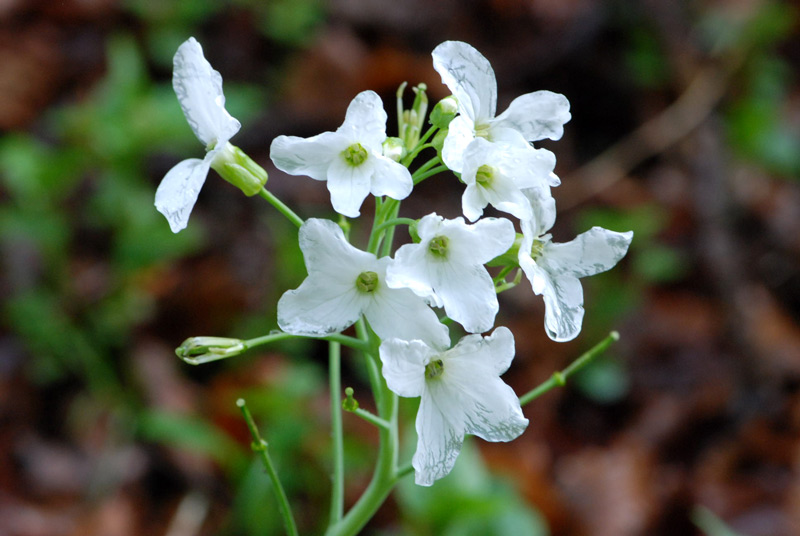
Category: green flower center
<point>536,248</point>
<point>438,246</point>
<point>367,282</point>
<point>434,369</point>
<point>482,131</point>
<point>485,175</point>
<point>355,155</point>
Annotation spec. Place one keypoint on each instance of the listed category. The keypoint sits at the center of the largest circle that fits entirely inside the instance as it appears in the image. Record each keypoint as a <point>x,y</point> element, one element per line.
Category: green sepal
<point>237,168</point>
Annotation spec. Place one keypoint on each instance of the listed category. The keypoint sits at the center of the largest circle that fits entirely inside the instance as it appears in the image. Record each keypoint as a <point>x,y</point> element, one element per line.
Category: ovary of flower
<point>343,283</point>
<point>461,393</point>
<point>470,77</point>
<point>350,159</point>
<point>554,269</point>
<point>199,90</point>
<point>496,174</point>
<point>447,267</point>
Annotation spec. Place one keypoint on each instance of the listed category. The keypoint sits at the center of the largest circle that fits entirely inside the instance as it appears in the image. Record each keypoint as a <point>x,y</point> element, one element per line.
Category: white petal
<point>459,135</point>
<point>495,351</point>
<point>477,243</point>
<point>178,191</point>
<point>473,201</point>
<point>468,294</point>
<point>399,313</point>
<point>411,270</point>
<point>320,306</point>
<point>470,78</point>
<point>327,251</point>
<point>199,90</point>
<point>438,444</point>
<point>404,365</point>
<point>349,185</point>
<point>327,301</point>
<point>544,212</point>
<point>530,168</point>
<point>365,121</point>
<point>307,156</point>
<point>537,115</point>
<point>390,178</point>
<point>592,252</point>
<point>563,300</point>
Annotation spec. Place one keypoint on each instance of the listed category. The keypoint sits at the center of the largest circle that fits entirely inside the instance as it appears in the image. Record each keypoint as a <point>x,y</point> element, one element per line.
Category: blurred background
<point>685,129</point>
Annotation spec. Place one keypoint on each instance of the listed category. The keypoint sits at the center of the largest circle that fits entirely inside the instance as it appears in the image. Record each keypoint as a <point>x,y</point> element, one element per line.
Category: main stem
<point>337,491</point>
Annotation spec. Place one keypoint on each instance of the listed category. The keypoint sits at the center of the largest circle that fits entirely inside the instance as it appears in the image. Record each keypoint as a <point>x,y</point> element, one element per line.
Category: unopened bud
<point>394,148</point>
<point>237,168</point>
<point>198,350</point>
<point>444,112</point>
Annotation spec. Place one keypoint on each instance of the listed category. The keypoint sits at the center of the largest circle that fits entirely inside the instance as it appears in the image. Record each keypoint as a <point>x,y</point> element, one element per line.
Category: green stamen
<point>438,246</point>
<point>482,131</point>
<point>355,155</point>
<point>536,248</point>
<point>485,175</point>
<point>434,369</point>
<point>367,282</point>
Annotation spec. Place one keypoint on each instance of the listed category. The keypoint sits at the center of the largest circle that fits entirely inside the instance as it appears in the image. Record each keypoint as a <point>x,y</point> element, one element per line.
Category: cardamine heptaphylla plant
<point>403,302</point>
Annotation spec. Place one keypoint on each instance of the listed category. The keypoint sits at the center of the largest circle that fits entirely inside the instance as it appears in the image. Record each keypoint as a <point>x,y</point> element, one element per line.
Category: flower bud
<point>237,168</point>
<point>198,350</point>
<point>444,112</point>
<point>394,148</point>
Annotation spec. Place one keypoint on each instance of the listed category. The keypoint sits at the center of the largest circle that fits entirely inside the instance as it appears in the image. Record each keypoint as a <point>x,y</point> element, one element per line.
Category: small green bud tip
<point>434,369</point>
<point>485,175</point>
<point>349,403</point>
<point>240,402</point>
<point>367,282</point>
<point>614,335</point>
<point>355,155</point>
<point>443,112</point>
<point>438,245</point>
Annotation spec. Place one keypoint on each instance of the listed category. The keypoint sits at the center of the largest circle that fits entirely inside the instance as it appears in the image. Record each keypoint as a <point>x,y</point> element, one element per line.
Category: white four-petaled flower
<point>470,77</point>
<point>497,173</point>
<point>461,393</point>
<point>350,159</point>
<point>446,267</point>
<point>554,269</point>
<point>199,90</point>
<point>343,283</point>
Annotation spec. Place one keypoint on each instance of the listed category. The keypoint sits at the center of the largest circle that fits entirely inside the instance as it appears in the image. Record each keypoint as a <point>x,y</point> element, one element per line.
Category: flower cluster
<point>397,293</point>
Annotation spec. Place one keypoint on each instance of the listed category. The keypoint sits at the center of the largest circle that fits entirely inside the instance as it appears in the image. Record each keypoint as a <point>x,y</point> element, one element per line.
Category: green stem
<point>335,371</point>
<point>395,222</point>
<point>418,178</point>
<point>260,446</point>
<point>559,379</point>
<point>371,418</point>
<point>281,206</point>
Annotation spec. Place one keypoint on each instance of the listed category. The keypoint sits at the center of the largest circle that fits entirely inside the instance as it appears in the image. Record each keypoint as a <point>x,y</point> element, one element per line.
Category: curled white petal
<point>459,135</point>
<point>536,116</point>
<point>469,76</point>
<point>592,252</point>
<point>178,191</point>
<point>199,90</point>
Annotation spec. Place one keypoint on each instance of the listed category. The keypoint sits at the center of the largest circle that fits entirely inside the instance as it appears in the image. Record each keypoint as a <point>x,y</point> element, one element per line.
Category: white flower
<point>343,283</point>
<point>531,117</point>
<point>554,269</point>
<point>199,90</point>
<point>350,159</point>
<point>446,267</point>
<point>461,393</point>
<point>496,174</point>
